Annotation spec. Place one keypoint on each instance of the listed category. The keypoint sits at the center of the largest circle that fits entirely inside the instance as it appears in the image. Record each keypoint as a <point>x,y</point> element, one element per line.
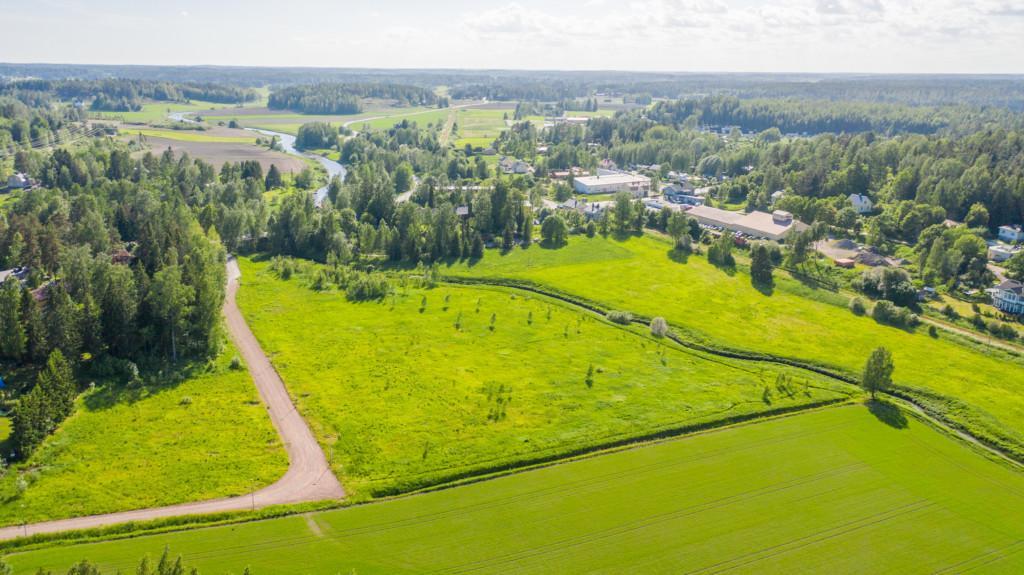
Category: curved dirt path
<point>308,478</point>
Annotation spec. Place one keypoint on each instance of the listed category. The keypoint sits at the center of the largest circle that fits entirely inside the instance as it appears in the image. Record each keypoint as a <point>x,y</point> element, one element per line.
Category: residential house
<point>861,203</point>
<point>777,195</point>
<point>999,252</point>
<point>513,166</point>
<point>1008,297</point>
<point>18,181</point>
<point>1011,234</point>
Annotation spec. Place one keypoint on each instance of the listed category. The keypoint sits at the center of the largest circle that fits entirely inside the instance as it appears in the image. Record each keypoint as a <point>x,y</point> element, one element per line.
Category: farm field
<point>796,321</point>
<point>156,112</point>
<point>830,491</point>
<point>221,137</point>
<point>131,447</point>
<point>218,153</point>
<point>407,395</point>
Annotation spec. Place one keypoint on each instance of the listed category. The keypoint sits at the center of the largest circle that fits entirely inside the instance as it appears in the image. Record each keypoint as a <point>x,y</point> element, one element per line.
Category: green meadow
<point>839,490</point>
<point>186,135</point>
<point>157,112</point>
<point>721,308</point>
<point>151,444</point>
<point>433,385</point>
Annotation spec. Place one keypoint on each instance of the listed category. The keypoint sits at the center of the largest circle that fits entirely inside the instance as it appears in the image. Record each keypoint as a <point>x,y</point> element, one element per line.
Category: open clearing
<point>710,305</point>
<point>222,136</point>
<point>218,153</point>
<point>831,491</point>
<point>405,399</point>
<point>157,444</point>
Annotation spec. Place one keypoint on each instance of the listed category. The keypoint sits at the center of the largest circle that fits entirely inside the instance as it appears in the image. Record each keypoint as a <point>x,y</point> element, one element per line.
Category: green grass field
<point>404,399</point>
<point>129,448</point>
<point>796,321</point>
<point>185,135</point>
<point>157,112</point>
<point>832,491</point>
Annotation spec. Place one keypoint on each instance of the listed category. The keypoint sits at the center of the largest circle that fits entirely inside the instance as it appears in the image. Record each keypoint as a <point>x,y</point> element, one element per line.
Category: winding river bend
<point>288,145</point>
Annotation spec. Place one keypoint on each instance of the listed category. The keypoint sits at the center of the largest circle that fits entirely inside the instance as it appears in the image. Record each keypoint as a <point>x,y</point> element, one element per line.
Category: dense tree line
<point>39,123</point>
<point>334,98</point>
<point>824,116</point>
<point>122,95</point>
<point>125,263</point>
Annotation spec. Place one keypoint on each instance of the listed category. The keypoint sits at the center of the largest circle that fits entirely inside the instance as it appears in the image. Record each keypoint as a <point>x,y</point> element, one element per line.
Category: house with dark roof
<point>1008,297</point>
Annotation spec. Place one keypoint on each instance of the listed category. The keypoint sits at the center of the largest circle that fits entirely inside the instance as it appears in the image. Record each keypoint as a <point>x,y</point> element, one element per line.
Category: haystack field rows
<point>838,490</point>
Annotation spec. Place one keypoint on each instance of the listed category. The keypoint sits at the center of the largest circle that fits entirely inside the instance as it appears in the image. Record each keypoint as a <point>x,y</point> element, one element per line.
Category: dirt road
<point>308,478</point>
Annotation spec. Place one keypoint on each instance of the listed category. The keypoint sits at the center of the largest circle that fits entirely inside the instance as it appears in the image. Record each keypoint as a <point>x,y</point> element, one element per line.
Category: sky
<point>875,36</point>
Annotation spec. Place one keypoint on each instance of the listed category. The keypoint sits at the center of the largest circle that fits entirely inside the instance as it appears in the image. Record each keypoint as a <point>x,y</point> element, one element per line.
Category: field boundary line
<point>903,395</point>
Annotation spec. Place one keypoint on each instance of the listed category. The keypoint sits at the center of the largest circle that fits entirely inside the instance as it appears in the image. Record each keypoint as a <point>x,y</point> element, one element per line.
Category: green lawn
<point>833,491</point>
<point>796,321</point>
<point>404,399</point>
<point>129,448</point>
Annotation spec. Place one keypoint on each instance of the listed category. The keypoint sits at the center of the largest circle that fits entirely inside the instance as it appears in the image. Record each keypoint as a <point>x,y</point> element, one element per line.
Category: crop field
<point>795,321</point>
<point>838,490</point>
<point>433,385</point>
<point>236,137</point>
<point>158,443</point>
<point>217,153</point>
<point>157,112</point>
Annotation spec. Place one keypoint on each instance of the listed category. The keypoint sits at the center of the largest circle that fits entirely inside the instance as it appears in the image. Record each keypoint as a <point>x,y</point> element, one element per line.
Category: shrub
<point>620,317</point>
<point>887,313</point>
<point>367,286</point>
<point>236,363</point>
<point>659,327</point>
<point>933,331</point>
<point>857,306</point>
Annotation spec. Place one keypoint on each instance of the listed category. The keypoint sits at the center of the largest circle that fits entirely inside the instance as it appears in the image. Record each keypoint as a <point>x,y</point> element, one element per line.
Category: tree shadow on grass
<point>766,288</point>
<point>888,414</point>
<point>117,390</point>
<point>678,256</point>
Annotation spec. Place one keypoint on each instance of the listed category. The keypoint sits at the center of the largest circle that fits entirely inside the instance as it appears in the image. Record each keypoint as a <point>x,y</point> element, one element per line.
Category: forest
<point>124,95</point>
<point>346,98</point>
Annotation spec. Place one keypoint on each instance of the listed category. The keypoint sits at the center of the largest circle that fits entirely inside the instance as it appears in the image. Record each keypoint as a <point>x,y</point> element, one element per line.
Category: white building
<point>1008,297</point>
<point>18,181</point>
<point>861,203</point>
<point>777,195</point>
<point>774,226</point>
<point>1002,252</point>
<point>1011,233</point>
<point>513,166</point>
<point>610,183</point>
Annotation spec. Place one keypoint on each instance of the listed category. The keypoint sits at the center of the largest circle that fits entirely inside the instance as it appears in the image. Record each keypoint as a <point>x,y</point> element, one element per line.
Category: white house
<point>1011,233</point>
<point>861,203</point>
<point>1008,297</point>
<point>1001,252</point>
<point>513,166</point>
<point>635,184</point>
<point>18,181</point>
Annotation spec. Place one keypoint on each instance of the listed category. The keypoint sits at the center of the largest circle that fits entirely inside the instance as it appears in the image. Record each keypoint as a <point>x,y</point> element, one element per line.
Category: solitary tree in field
<point>760,265</point>
<point>273,180</point>
<point>878,372</point>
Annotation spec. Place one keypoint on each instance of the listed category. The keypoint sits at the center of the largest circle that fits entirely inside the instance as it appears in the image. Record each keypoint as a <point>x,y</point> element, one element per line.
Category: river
<point>288,145</point>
